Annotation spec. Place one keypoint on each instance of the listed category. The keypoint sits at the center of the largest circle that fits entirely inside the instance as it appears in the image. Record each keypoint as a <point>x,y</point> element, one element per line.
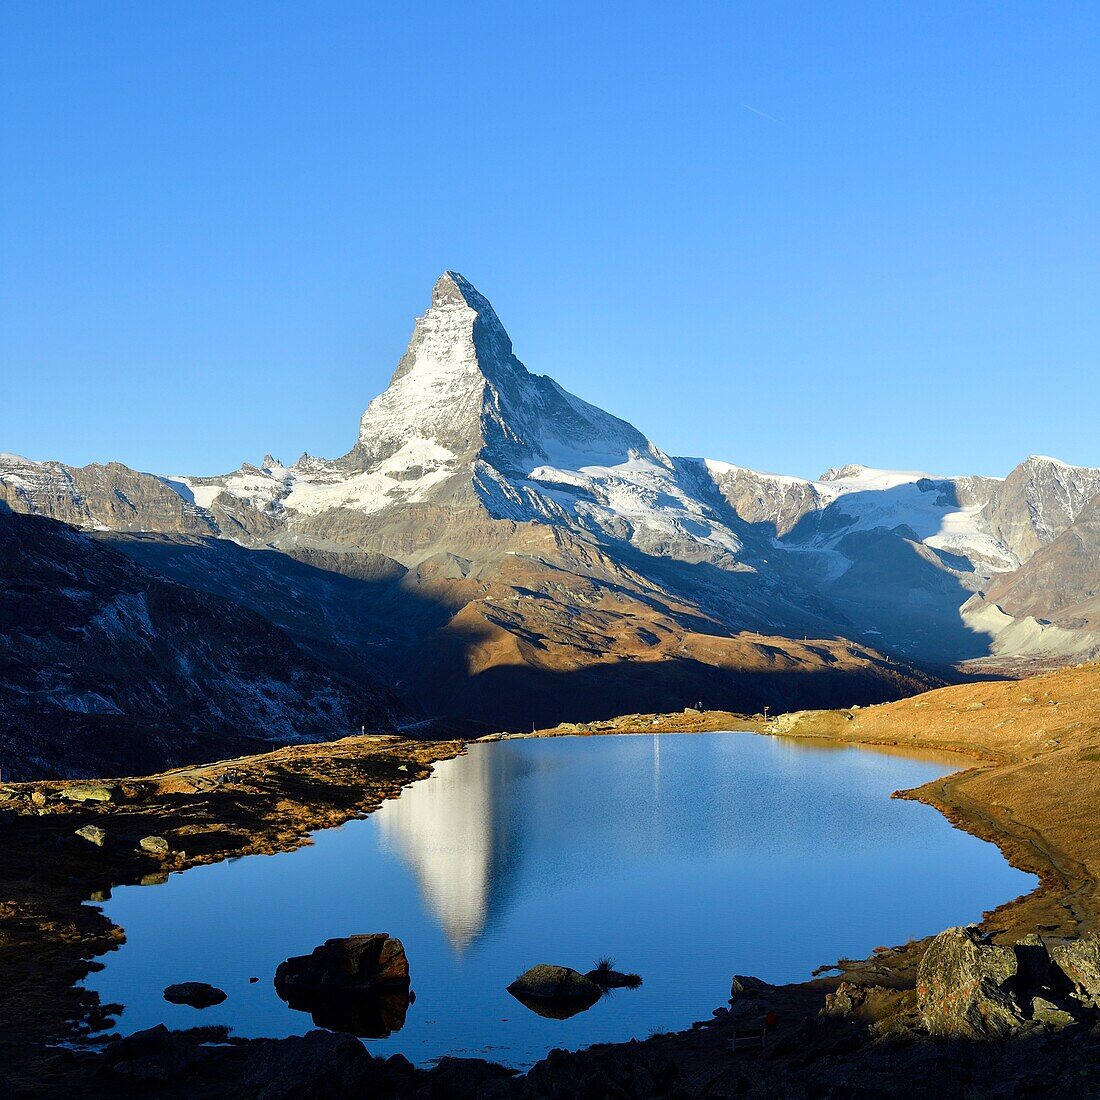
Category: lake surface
<point>686,858</point>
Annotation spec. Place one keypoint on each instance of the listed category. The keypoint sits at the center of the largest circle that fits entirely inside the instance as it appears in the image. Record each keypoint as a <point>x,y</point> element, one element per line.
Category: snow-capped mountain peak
<point>465,435</point>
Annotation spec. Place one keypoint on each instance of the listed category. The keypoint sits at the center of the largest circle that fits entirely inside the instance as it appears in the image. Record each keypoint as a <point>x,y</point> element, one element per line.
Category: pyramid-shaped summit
<point>460,392</point>
<point>460,331</point>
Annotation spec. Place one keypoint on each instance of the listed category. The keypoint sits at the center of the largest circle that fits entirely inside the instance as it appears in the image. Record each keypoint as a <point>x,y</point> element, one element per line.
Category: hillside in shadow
<point>865,556</point>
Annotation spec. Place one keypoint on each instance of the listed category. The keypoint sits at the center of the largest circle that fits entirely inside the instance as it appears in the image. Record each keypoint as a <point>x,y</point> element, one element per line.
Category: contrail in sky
<point>762,114</point>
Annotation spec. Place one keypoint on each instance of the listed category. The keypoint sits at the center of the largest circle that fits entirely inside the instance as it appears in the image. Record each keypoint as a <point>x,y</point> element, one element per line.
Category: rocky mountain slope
<point>496,548</point>
<point>915,560</point>
<point>1051,604</point>
<point>106,666</point>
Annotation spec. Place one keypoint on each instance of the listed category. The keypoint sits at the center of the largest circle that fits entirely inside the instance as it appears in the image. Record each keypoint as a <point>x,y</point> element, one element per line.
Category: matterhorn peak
<point>457,362</point>
<point>460,394</point>
<point>451,288</point>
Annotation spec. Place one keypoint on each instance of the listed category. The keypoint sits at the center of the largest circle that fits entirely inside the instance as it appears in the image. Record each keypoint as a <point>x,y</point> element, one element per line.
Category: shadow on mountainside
<point>414,636</point>
<point>526,697</point>
<point>532,640</point>
<point>899,595</point>
<point>108,666</point>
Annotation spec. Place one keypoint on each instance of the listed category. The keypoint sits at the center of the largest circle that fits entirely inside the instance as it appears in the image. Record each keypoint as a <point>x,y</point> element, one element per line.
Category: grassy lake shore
<point>1032,788</point>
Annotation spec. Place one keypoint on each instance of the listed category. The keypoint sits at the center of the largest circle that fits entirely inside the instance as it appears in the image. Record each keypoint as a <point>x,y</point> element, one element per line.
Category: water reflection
<point>468,833</point>
<point>686,858</point>
<point>460,834</point>
<point>368,1015</point>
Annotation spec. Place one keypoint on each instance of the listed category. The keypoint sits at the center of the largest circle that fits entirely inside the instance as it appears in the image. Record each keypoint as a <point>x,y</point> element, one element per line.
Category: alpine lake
<point>684,858</point>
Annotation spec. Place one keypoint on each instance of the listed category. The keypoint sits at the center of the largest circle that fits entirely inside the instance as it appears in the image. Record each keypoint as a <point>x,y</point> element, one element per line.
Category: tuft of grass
<point>604,962</point>
<point>633,981</point>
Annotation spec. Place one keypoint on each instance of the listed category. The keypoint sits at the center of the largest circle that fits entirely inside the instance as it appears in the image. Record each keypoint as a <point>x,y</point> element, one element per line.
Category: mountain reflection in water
<point>687,858</point>
<point>461,834</point>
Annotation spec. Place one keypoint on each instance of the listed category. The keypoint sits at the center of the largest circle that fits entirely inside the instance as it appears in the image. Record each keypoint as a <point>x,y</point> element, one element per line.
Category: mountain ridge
<point>508,539</point>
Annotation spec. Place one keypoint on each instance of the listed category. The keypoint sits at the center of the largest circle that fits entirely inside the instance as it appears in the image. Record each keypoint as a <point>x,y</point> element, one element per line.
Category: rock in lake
<point>606,978</point>
<point>555,991</point>
<point>358,985</point>
<point>355,964</point>
<point>154,845</point>
<point>195,994</point>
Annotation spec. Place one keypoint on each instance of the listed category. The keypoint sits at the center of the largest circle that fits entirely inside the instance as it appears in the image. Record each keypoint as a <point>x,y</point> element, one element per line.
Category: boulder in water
<point>354,964</point>
<point>358,985</point>
<point>195,994</point>
<point>555,991</point>
<point>608,978</point>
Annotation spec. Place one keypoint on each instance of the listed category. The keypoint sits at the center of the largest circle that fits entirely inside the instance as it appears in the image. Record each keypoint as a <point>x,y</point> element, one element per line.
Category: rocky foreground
<point>1008,1009</point>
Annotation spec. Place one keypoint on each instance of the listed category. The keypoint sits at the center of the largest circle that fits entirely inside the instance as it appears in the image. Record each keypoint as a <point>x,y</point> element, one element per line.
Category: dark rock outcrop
<point>746,985</point>
<point>358,985</point>
<point>470,1079</point>
<point>970,988</point>
<point>316,1066</point>
<point>153,1055</point>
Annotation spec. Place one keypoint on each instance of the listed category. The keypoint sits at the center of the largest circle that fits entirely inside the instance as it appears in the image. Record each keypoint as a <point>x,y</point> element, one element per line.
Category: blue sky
<point>784,235</point>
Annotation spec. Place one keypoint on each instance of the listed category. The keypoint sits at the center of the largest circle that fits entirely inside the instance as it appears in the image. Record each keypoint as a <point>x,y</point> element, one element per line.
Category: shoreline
<point>49,939</point>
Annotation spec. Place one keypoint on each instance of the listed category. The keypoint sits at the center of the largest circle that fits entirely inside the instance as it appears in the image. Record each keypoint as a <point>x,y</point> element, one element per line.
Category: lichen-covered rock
<point>1046,1012</point>
<point>93,834</point>
<point>845,1001</point>
<point>154,845</point>
<point>1080,962</point>
<point>554,983</point>
<point>963,987</point>
<point>88,793</point>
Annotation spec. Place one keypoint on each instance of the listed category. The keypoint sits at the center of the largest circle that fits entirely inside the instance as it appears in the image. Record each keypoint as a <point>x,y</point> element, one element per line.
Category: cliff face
<point>105,666</point>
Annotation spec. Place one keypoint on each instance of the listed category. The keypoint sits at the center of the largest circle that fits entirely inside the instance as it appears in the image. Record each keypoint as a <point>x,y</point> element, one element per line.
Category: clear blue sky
<point>785,235</point>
